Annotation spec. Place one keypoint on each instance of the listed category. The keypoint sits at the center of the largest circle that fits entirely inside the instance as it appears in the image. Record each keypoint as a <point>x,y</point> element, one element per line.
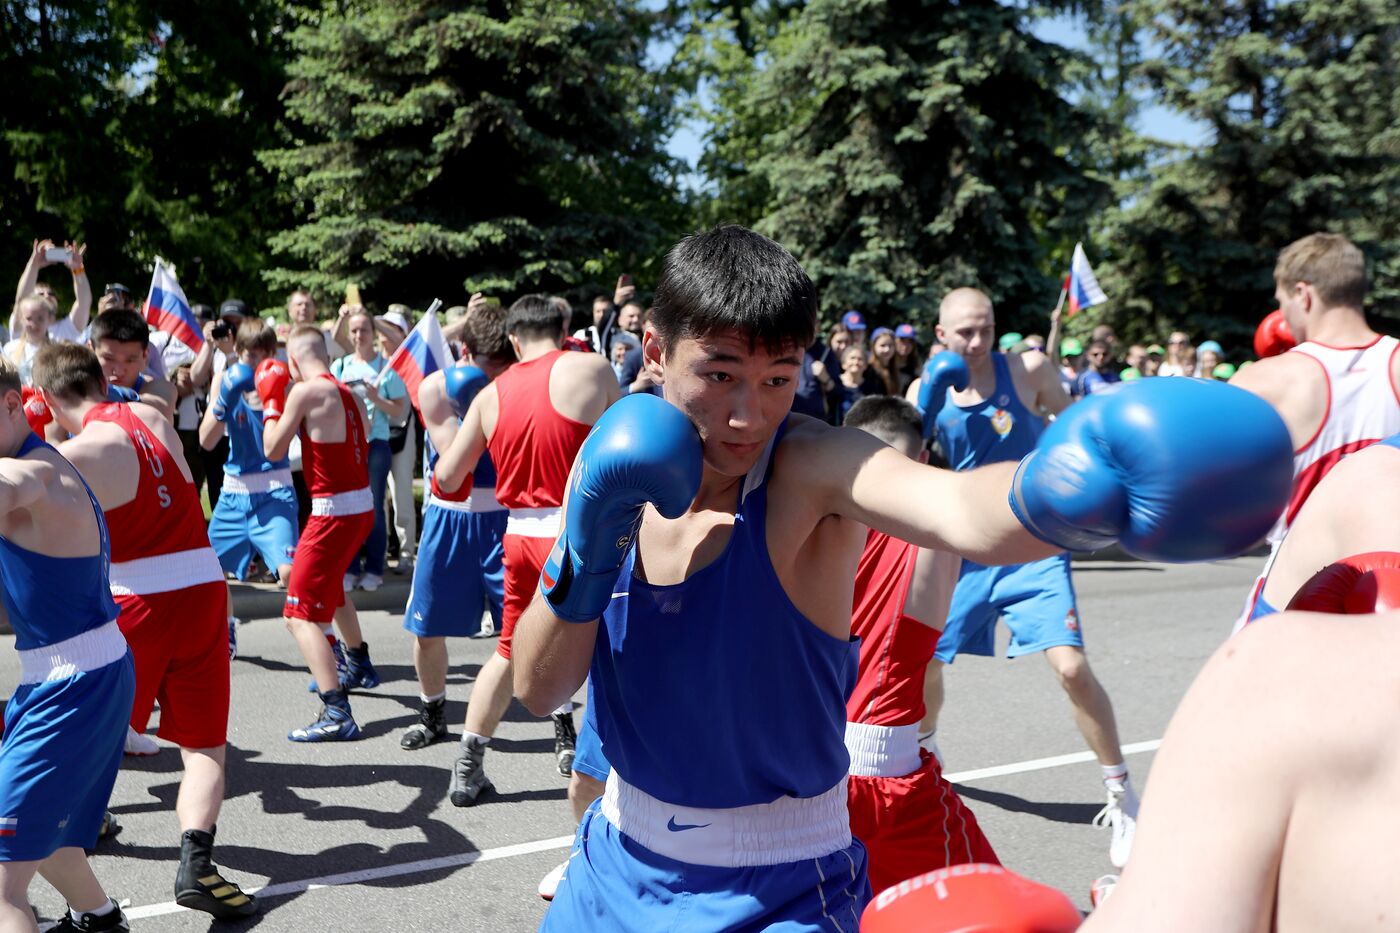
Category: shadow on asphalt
<point>1076,813</point>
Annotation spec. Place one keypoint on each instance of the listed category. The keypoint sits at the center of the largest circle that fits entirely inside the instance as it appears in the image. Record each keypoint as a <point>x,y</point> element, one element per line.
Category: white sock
<point>566,707</point>
<point>102,911</point>
<point>1115,774</point>
<point>434,698</point>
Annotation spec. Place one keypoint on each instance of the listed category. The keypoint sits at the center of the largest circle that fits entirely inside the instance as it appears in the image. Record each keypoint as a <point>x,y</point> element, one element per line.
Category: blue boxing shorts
<point>243,522</point>
<point>459,571</point>
<point>59,759</point>
<point>1036,601</point>
<point>614,883</point>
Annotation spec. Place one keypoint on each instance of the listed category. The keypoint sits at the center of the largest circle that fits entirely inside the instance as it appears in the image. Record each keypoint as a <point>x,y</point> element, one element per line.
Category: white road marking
<point>563,842</point>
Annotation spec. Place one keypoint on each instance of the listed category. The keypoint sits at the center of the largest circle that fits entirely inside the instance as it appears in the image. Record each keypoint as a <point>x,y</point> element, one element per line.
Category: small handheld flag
<point>1083,288</point>
<point>168,310</point>
<point>423,352</point>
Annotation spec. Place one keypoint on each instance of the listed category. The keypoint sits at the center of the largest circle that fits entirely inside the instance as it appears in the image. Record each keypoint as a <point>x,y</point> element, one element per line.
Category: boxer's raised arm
<point>278,431</point>
<point>458,460</point>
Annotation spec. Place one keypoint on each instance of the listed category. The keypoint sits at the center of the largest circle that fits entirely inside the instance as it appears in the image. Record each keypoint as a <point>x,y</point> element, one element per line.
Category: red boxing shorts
<point>913,824</point>
<point>179,641</point>
<point>316,585</point>
<point>524,559</point>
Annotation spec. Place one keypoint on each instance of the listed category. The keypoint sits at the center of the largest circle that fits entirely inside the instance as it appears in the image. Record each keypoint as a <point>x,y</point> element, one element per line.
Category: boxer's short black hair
<point>731,279</point>
<point>888,417</point>
<point>122,326</point>
<point>70,371</point>
<point>534,316</point>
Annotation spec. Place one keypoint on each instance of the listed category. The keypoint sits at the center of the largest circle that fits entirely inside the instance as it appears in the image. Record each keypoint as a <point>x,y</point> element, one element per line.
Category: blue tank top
<point>244,425</point>
<point>992,431</point>
<point>1392,441</point>
<point>50,599</point>
<point>483,477</point>
<point>716,692</point>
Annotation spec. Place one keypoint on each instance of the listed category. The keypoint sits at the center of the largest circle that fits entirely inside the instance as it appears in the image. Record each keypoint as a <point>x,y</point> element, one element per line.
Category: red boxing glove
<point>1356,585</point>
<point>1272,336</point>
<point>975,898</point>
<point>35,411</point>
<point>573,343</point>
<point>272,378</point>
<point>459,496</point>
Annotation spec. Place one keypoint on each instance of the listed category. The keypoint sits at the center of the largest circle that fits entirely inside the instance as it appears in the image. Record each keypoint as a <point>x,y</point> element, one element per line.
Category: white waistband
<point>534,523</point>
<point>478,500</point>
<point>88,651</point>
<point>789,829</point>
<point>250,483</point>
<point>883,751</point>
<point>166,572</point>
<point>354,502</point>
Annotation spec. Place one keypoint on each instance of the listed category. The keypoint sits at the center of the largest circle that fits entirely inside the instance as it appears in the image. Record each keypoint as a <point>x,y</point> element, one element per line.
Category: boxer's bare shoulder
<point>1350,512</point>
<point>161,395</point>
<point>1296,385</point>
<point>582,386</point>
<point>44,507</point>
<point>103,454</point>
<point>1269,791</point>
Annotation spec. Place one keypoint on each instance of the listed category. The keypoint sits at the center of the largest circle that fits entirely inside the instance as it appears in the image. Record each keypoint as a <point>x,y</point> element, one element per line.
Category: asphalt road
<point>360,835</point>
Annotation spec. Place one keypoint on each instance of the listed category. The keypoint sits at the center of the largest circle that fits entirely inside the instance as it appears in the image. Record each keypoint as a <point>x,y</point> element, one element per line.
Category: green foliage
<point>503,146</point>
<point>901,149</point>
<point>1301,101</point>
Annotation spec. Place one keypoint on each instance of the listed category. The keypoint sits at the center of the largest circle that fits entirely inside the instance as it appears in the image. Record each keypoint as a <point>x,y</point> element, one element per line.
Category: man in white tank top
<point>1337,389</point>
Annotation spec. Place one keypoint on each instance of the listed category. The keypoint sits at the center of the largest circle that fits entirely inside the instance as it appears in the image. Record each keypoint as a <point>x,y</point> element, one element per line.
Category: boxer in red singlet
<point>533,419</point>
<point>335,463</point>
<point>170,589</point>
<point>909,817</point>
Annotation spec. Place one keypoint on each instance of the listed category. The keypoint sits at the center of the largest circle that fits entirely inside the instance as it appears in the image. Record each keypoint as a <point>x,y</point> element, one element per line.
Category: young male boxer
<point>335,461</point>
<point>532,420</point>
<point>257,507</point>
<point>171,593</point>
<point>1338,390</point>
<point>122,343</point>
<point>723,659</point>
<point>909,817</point>
<point>459,568</point>
<point>66,721</point>
<point>991,410</point>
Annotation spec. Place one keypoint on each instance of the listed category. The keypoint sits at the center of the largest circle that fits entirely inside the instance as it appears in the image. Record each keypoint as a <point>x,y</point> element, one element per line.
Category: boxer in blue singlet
<point>998,418</point>
<point>65,726</point>
<point>704,574</point>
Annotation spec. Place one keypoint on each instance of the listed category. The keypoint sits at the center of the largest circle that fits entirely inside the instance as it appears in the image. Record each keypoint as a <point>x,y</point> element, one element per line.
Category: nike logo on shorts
<point>675,827</point>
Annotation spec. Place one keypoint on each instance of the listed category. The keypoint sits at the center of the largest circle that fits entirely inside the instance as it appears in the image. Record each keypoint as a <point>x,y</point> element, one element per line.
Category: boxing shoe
<point>359,669</point>
<point>342,672</point>
<point>564,741</point>
<point>550,882</point>
<point>232,637</point>
<point>334,724</point>
<point>431,727</point>
<point>139,745</point>
<point>198,884</point>
<point>1119,815</point>
<point>469,780</point>
<point>113,920</point>
<point>371,582</point>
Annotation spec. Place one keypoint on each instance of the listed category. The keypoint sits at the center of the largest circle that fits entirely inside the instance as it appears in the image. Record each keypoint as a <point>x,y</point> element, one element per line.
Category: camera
<point>220,330</point>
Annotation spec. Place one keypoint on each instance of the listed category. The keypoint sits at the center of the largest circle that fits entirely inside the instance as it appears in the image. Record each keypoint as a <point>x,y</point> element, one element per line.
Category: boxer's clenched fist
<point>1356,585</point>
<point>272,378</point>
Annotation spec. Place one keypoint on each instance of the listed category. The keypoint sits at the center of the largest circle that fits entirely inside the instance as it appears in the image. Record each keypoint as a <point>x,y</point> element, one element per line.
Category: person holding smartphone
<point>44,253</point>
<point>385,398</point>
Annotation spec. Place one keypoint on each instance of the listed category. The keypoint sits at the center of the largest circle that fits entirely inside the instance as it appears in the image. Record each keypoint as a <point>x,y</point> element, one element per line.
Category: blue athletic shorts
<point>1036,601</point>
<point>614,884</point>
<point>458,573</point>
<point>588,749</point>
<point>59,759</point>
<point>243,521</point>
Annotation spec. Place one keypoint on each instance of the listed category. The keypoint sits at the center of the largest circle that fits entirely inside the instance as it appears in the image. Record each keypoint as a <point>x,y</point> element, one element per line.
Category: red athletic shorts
<point>913,824</point>
<point>316,586</point>
<point>179,641</point>
<point>524,559</point>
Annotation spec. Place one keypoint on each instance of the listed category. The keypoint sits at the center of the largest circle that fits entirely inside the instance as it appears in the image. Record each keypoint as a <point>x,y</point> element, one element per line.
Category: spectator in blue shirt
<point>1098,371</point>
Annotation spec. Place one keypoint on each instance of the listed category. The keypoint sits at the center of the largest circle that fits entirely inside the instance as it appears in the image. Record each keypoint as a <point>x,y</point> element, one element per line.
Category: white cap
<point>397,319</point>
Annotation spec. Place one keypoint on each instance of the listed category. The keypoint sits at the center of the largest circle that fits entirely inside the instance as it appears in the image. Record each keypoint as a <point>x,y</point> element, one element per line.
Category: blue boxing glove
<point>122,394</point>
<point>461,384</point>
<point>642,450</point>
<point>1173,469</point>
<point>238,379</point>
<point>945,371</point>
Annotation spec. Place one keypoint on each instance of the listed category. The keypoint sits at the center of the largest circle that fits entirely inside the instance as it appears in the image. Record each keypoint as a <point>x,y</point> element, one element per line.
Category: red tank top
<point>895,649</point>
<point>340,467</point>
<point>165,516</point>
<point>533,446</point>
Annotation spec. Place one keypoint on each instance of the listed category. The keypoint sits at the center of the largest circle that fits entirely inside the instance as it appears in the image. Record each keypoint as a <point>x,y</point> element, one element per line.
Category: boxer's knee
<point>583,790</point>
<point>1071,667</point>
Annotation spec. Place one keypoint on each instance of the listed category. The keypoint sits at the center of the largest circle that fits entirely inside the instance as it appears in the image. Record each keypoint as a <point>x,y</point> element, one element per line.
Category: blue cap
<point>880,330</point>
<point>906,332</point>
<point>853,320</point>
<point>1212,346</point>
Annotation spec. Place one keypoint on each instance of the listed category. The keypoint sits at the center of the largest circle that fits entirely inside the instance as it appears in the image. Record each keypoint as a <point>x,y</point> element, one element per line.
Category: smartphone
<point>624,280</point>
<point>57,254</point>
<point>352,295</point>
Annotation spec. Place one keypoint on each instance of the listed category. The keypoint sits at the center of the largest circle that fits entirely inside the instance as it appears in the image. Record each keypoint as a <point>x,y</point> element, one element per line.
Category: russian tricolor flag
<point>168,310</point>
<point>423,352</point>
<point>9,825</point>
<point>1083,288</point>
